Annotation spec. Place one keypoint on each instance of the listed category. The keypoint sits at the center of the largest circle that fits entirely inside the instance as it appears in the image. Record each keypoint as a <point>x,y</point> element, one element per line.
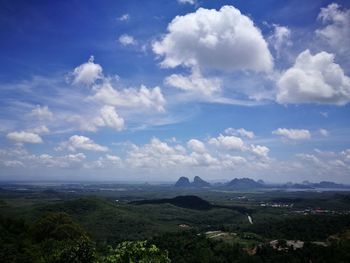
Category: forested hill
<point>188,201</point>
<point>191,202</point>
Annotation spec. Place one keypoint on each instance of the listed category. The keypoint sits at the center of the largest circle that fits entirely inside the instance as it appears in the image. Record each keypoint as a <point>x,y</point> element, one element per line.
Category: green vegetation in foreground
<point>53,226</point>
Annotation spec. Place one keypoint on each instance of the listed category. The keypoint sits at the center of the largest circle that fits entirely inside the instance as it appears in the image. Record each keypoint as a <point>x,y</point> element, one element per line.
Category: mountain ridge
<point>197,182</point>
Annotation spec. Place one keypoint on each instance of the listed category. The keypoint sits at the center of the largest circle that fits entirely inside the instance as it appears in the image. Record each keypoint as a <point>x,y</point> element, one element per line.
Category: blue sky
<point>118,90</point>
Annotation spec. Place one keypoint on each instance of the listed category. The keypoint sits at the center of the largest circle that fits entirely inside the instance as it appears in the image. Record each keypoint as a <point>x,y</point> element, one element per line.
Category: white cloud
<point>203,159</point>
<point>112,158</point>
<point>136,98</point>
<point>105,117</point>
<point>309,158</point>
<point>47,160</point>
<point>260,151</point>
<point>323,132</point>
<point>196,146</point>
<point>314,79</point>
<point>109,117</point>
<point>195,83</point>
<point>191,2</point>
<point>19,157</point>
<point>280,38</point>
<point>75,157</point>
<point>228,142</point>
<point>336,31</point>
<point>77,142</point>
<point>224,40</point>
<point>87,73</point>
<point>160,158</point>
<point>162,155</point>
<point>346,155</point>
<point>85,123</point>
<point>124,17</point>
<point>240,132</point>
<point>157,154</point>
<point>42,129</point>
<point>293,134</point>
<point>42,113</point>
<point>12,163</point>
<point>126,40</point>
<point>325,163</point>
<point>24,137</point>
<point>104,162</point>
<point>231,161</point>
<point>327,154</point>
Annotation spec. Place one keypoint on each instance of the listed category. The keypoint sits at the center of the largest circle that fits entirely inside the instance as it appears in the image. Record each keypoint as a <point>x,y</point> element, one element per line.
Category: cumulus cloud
<point>232,161</point>
<point>224,39</point>
<point>260,151</point>
<point>24,137</point>
<point>70,160</point>
<point>137,98</point>
<point>159,157</point>
<point>336,31</point>
<point>66,161</point>
<point>228,142</point>
<point>104,162</point>
<point>195,83</point>
<point>293,134</point>
<point>314,79</point>
<point>77,142</point>
<point>41,112</point>
<point>87,73</point>
<point>107,116</point>
<point>110,118</point>
<point>126,40</point>
<point>280,38</point>
<point>325,163</point>
<point>240,132</point>
<point>19,157</point>
<point>196,146</point>
<point>157,154</point>
<point>203,159</point>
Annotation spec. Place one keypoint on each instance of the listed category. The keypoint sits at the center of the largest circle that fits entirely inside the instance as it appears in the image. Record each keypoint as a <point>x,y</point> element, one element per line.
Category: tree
<point>57,226</point>
<point>136,252</point>
<point>63,240</point>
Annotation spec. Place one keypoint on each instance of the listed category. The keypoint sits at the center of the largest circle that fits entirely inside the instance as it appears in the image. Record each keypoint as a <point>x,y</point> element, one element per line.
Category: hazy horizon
<point>118,91</point>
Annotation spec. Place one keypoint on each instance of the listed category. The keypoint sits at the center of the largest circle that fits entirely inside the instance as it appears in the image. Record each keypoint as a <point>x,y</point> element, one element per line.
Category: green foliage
<point>57,226</point>
<point>81,250</point>
<point>136,252</point>
<point>336,252</point>
<point>63,240</point>
<point>53,230</point>
<point>189,247</point>
<point>15,242</point>
<point>119,222</point>
<point>54,238</point>
<point>307,228</point>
